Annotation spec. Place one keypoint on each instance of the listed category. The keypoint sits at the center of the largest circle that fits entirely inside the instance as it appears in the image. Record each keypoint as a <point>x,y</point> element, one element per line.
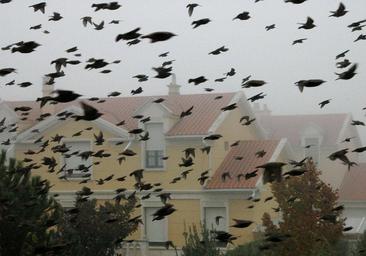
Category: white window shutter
<point>210,218</point>
<point>156,231</point>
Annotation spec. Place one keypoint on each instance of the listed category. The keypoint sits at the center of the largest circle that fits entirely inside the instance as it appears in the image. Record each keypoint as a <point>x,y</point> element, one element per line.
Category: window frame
<point>156,244</point>
<point>63,159</point>
<point>144,150</point>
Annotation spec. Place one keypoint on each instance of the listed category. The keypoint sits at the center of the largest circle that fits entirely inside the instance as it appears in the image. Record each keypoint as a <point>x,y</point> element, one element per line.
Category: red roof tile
<point>247,150</point>
<point>353,187</point>
<point>205,112</point>
<point>291,126</point>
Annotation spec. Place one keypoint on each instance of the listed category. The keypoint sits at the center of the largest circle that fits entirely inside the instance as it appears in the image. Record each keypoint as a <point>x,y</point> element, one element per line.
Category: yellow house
<point>225,191</point>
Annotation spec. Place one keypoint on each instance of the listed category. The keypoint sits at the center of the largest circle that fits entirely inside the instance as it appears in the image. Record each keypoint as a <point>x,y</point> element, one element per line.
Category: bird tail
<point>301,87</point>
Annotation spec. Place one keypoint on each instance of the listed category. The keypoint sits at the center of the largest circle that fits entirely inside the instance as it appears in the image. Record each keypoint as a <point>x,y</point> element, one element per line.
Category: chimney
<point>174,88</point>
<point>47,90</point>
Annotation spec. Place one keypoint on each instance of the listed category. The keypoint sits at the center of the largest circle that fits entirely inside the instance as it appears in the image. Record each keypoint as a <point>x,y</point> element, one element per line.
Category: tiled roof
<point>291,126</point>
<point>247,150</point>
<point>206,110</point>
<point>353,187</point>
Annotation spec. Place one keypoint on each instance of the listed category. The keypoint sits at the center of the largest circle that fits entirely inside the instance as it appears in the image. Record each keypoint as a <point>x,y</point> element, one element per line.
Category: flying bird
<point>133,34</point>
<point>219,50</point>
<point>348,74</point>
<point>299,41</point>
<point>324,102</point>
<point>39,7</point>
<point>191,8</point>
<point>242,16</point>
<point>308,83</point>
<point>159,36</point>
<point>309,24</point>
<point>197,80</point>
<point>341,11</point>
<point>90,113</point>
<point>200,22</point>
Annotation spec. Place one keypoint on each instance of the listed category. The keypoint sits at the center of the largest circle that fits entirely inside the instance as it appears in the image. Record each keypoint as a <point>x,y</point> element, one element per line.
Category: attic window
<point>155,146</point>
<point>76,167</point>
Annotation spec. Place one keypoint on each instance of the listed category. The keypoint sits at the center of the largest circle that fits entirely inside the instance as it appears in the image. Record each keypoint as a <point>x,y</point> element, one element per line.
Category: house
<point>352,195</point>
<point>159,157</point>
<point>315,136</point>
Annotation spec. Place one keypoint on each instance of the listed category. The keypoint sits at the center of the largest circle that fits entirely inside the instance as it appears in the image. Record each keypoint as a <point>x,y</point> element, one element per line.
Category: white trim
<point>149,102</point>
<point>344,128</point>
<point>52,121</point>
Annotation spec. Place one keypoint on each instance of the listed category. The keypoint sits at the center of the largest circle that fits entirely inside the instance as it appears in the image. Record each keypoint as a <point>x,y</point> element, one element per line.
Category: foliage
<point>97,230</point>
<point>249,249</point>
<point>361,245</point>
<point>27,214</point>
<point>199,243</point>
<point>309,224</point>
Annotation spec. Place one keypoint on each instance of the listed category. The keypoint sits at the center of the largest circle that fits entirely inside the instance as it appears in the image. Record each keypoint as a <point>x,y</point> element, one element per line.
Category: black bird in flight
<point>90,113</point>
<point>348,74</point>
<point>55,17</point>
<point>86,20</point>
<point>197,80</point>
<point>200,22</point>
<point>39,7</point>
<point>191,8</point>
<point>133,34</point>
<point>219,50</point>
<point>299,41</point>
<point>324,102</point>
<point>106,6</point>
<point>25,47</point>
<point>308,83</point>
<point>342,54</point>
<point>253,83</point>
<point>159,36</point>
<point>242,16</point>
<point>341,11</point>
<point>295,1</point>
<point>186,112</point>
<point>272,171</point>
<point>309,24</point>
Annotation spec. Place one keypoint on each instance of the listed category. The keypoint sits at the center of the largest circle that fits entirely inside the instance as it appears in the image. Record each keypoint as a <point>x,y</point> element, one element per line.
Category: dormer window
<point>155,146</point>
<point>76,167</point>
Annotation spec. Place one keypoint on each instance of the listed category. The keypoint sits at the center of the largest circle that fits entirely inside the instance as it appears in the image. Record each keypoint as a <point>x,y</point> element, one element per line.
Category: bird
<point>343,64</point>
<point>241,223</point>
<point>348,139</point>
<point>232,72</point>
<point>342,54</point>
<point>99,26</point>
<point>225,175</point>
<point>197,80</point>
<point>7,71</point>
<point>229,107</point>
<point>299,41</point>
<point>217,219</point>
<point>186,112</point>
<point>25,47</point>
<point>324,102</point>
<point>36,27</point>
<point>106,6</point>
<point>359,150</point>
<point>39,7</point>
<point>356,122</point>
<point>219,50</point>
<point>348,74</point>
<point>242,16</point>
<point>191,8</point>
<point>55,17</point>
<point>341,155</point>
<point>341,11</point>
<point>295,172</point>
<point>159,36</point>
<point>309,24</point>
<point>213,137</point>
<point>87,19</point>
<point>272,171</point>
<point>253,83</point>
<point>260,153</point>
<point>62,96</point>
<point>90,113</point>
<point>133,34</point>
<point>270,27</point>
<point>360,37</point>
<point>163,72</point>
<point>200,22</point>
<point>257,97</point>
<point>308,83</point>
<point>250,175</point>
<point>164,211</point>
<point>295,1</point>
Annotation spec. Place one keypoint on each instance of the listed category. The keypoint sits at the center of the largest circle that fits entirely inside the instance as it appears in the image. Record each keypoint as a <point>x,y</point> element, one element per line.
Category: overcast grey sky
<point>252,51</point>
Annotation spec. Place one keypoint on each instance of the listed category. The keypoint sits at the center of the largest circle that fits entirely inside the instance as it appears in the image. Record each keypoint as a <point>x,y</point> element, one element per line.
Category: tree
<point>97,230</point>
<point>310,217</point>
<point>199,243</point>
<point>27,214</point>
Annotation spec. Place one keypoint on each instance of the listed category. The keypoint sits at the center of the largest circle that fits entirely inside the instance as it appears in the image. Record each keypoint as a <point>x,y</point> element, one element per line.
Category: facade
<point>161,157</point>
<point>315,136</point>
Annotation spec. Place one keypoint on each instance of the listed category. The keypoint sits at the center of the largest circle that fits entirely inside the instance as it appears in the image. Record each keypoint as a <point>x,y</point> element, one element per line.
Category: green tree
<point>199,243</point>
<point>310,221</point>
<point>28,215</point>
<point>97,230</point>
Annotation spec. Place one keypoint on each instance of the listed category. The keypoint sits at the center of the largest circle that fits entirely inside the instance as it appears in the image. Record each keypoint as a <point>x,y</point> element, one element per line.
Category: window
<point>155,231</point>
<point>75,166</point>
<point>155,146</point>
<point>215,219</point>
<point>312,148</point>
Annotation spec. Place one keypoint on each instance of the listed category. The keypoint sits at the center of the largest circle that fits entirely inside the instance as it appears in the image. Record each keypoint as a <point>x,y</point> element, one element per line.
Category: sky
<point>265,55</point>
